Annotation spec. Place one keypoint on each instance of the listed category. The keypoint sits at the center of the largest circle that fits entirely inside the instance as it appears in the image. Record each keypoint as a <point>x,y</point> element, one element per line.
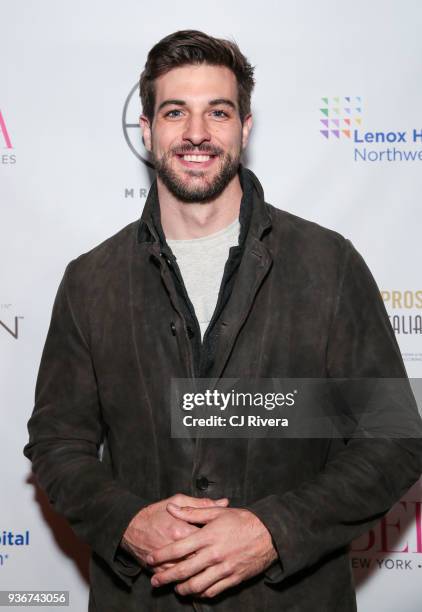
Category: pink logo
<point>5,133</point>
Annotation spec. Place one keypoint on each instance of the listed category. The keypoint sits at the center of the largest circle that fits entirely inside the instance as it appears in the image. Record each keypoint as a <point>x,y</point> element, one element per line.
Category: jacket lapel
<point>254,267</point>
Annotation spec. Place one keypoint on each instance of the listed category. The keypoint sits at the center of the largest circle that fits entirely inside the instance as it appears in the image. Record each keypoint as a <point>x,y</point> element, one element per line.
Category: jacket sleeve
<point>365,477</point>
<point>65,434</point>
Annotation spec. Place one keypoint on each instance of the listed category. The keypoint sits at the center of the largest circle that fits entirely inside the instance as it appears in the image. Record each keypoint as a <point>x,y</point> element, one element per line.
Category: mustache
<point>203,148</point>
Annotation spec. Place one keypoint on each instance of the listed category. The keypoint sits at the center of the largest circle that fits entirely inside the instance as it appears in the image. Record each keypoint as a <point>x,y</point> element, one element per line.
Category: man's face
<point>196,137</point>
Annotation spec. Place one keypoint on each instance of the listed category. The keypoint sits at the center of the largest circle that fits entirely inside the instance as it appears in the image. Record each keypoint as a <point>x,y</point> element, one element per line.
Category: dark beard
<point>229,167</point>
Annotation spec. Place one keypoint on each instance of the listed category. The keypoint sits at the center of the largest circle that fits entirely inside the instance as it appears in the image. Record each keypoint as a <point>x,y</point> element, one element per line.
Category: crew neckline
<point>212,236</point>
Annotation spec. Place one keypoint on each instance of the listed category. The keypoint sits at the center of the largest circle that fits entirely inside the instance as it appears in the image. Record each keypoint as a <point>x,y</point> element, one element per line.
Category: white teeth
<point>196,158</point>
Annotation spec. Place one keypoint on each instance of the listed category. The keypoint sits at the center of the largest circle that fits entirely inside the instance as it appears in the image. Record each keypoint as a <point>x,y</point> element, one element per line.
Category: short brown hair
<point>194,47</point>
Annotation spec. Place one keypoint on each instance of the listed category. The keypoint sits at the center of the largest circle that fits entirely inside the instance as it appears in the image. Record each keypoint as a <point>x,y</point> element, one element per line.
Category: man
<point>211,282</point>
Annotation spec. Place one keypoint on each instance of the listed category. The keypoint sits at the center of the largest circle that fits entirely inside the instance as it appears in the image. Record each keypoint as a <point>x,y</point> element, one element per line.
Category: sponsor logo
<point>8,323</point>
<point>131,129</point>
<point>406,308</point>
<point>340,118</point>
<point>6,143</point>
<point>133,138</point>
<point>10,541</point>
<point>395,543</point>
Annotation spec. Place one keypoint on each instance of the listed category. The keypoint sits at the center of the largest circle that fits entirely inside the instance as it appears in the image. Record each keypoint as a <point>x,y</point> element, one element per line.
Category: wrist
<point>133,530</point>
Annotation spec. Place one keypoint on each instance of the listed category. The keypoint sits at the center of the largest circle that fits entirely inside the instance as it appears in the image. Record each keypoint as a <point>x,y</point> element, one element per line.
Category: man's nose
<point>196,131</point>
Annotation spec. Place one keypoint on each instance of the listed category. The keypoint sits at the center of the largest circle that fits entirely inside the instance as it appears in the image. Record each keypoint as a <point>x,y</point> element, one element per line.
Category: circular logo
<point>131,129</point>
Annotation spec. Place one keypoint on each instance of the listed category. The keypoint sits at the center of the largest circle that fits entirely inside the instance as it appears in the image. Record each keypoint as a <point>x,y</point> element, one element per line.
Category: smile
<point>196,158</point>
<point>193,161</point>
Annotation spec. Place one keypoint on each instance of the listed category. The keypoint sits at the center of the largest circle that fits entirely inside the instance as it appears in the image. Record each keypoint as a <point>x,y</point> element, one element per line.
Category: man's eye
<point>220,113</point>
<point>173,113</point>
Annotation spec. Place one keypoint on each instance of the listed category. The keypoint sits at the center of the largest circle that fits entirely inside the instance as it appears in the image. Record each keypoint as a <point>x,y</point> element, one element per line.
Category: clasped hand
<point>232,546</point>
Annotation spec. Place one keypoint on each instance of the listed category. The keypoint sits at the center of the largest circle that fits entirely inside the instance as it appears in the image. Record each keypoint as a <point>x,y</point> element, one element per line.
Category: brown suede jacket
<point>296,300</point>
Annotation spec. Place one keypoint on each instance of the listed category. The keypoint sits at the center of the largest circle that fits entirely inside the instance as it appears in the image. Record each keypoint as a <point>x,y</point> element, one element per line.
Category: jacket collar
<point>254,217</point>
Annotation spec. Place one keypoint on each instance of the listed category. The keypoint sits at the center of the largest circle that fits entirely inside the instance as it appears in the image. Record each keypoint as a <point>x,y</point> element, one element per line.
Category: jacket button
<point>165,257</point>
<point>202,483</point>
<point>191,333</point>
<point>173,328</point>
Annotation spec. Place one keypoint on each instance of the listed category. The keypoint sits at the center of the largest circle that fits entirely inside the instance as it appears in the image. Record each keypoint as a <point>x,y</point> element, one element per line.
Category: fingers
<point>163,567</point>
<point>219,586</point>
<point>194,515</point>
<point>177,549</point>
<point>198,502</point>
<point>213,579</point>
<point>183,570</point>
<point>169,564</point>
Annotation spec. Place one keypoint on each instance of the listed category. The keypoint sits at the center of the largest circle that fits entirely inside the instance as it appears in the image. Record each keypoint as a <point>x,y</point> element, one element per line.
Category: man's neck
<point>182,221</point>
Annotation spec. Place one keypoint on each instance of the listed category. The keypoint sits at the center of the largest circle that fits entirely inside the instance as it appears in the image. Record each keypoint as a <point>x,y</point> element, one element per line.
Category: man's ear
<point>146,132</point>
<point>246,129</point>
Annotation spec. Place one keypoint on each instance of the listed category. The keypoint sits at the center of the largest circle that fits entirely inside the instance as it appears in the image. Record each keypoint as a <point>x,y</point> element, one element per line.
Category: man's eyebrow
<point>172,101</point>
<point>214,102</point>
<point>218,101</point>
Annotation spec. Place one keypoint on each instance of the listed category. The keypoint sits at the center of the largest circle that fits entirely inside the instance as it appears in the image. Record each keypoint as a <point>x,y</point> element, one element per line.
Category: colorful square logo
<point>340,116</point>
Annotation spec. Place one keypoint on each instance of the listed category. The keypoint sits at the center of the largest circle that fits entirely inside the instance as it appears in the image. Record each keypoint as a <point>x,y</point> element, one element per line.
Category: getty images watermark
<point>296,408</point>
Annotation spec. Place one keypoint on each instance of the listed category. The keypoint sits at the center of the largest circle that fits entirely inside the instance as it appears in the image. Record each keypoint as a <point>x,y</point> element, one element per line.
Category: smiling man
<point>197,140</point>
<point>211,282</point>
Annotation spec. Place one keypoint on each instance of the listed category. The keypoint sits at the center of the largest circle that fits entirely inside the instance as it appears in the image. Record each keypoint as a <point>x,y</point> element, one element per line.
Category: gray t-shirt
<point>201,262</point>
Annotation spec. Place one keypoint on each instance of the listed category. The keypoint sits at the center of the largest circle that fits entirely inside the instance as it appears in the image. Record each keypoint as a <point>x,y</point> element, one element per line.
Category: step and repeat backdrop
<point>337,139</point>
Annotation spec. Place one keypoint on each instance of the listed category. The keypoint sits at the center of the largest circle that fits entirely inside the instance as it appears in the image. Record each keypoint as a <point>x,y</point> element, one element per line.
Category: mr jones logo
<point>130,125</point>
<point>133,137</point>
<point>340,118</point>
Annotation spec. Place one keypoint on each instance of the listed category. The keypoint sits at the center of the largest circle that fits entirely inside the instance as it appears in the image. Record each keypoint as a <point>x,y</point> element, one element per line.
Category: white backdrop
<point>69,179</point>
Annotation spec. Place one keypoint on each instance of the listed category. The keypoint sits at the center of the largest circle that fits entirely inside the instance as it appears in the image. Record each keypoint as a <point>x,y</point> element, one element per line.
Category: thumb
<point>194,515</point>
<point>206,502</point>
